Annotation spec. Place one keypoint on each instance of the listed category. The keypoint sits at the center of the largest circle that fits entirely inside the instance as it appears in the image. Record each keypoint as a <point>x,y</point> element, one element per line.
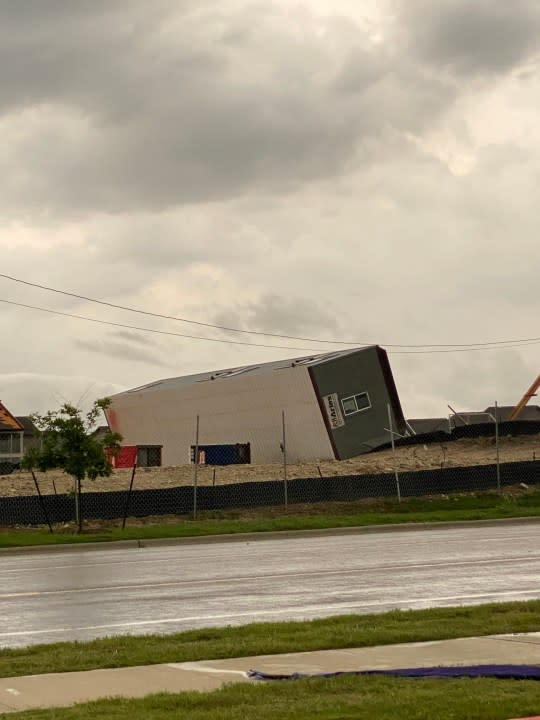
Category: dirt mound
<point>466,452</point>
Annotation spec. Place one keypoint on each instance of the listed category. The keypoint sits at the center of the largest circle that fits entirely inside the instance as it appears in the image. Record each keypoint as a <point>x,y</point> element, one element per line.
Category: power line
<point>355,343</point>
<point>152,330</point>
<point>125,326</point>
<point>481,347</point>
<point>166,317</point>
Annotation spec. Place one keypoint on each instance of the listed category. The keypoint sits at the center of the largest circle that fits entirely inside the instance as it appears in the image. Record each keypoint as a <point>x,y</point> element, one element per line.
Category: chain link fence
<point>9,466</point>
<point>227,480</point>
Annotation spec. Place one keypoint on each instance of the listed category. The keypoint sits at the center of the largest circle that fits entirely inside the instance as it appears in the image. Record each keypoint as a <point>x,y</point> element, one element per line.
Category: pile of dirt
<point>458,453</point>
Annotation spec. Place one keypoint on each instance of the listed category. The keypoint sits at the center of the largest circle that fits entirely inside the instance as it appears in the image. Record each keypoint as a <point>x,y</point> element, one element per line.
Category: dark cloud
<point>125,351</point>
<point>115,111</point>
<point>275,314</point>
<point>134,337</point>
<point>147,106</point>
<point>484,36</point>
<point>268,166</point>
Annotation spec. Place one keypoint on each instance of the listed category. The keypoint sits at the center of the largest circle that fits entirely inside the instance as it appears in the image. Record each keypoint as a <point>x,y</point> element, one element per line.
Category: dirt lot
<point>480,451</point>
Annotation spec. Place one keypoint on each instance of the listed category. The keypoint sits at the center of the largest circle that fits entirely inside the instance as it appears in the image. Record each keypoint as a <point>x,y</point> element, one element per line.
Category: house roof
<point>8,423</point>
<point>27,424</point>
<point>254,369</point>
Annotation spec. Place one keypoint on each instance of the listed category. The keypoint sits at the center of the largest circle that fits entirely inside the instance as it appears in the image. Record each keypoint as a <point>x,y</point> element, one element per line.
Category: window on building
<point>355,403</point>
<point>149,455</point>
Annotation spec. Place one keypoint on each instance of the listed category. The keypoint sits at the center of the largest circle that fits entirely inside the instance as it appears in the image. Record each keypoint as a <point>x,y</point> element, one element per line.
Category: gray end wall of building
<point>349,375</point>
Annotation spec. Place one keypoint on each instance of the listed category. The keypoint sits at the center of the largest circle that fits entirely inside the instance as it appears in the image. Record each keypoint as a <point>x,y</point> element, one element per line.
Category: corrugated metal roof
<point>8,421</point>
<point>255,369</point>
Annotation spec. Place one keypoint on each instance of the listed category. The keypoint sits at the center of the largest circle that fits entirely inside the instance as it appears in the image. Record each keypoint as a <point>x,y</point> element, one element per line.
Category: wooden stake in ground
<point>129,496</point>
<point>41,501</point>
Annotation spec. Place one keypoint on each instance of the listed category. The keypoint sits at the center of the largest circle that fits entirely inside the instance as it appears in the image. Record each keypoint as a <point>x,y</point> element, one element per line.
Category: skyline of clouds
<point>368,173</point>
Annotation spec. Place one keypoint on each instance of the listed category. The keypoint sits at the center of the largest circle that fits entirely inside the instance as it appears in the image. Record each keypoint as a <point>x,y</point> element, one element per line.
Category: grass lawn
<point>484,506</point>
<point>342,698</point>
<point>337,699</point>
<point>270,638</point>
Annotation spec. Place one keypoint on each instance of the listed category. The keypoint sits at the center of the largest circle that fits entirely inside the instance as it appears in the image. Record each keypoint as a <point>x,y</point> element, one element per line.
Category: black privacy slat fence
<point>33,510</point>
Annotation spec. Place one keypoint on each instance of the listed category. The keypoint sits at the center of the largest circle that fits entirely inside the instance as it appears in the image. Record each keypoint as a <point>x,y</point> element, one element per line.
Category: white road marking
<point>13,691</point>
<point>271,576</point>
<point>276,612</point>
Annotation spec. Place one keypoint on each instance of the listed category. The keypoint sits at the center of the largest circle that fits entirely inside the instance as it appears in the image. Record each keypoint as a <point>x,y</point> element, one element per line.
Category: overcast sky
<point>356,171</point>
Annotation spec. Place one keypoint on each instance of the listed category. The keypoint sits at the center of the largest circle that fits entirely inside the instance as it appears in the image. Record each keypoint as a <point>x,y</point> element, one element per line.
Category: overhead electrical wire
<point>166,317</point>
<point>126,326</point>
<point>424,346</point>
<point>151,330</point>
<point>482,347</point>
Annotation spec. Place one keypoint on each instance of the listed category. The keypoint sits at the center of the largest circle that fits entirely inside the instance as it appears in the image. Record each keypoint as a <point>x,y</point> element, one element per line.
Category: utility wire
<point>481,347</point>
<point>152,330</point>
<point>356,343</point>
<point>239,342</point>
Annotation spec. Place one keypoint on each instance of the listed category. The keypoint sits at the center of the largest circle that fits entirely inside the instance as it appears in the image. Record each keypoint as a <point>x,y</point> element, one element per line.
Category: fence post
<point>77,498</point>
<point>196,472</point>
<point>284,449</point>
<point>497,446</point>
<point>79,510</point>
<point>391,430</point>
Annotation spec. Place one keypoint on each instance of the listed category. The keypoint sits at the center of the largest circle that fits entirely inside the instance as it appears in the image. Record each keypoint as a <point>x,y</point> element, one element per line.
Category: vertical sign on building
<point>333,411</point>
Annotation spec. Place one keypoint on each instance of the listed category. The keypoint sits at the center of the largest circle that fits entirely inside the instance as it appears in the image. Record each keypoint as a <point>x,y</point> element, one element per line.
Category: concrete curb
<point>261,536</point>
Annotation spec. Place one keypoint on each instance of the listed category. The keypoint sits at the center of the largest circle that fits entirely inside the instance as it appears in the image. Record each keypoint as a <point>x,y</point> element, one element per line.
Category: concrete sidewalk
<point>63,689</point>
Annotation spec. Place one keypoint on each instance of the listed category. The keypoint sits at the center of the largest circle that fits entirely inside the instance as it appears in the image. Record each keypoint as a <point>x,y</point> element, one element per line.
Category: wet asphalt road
<point>81,595</point>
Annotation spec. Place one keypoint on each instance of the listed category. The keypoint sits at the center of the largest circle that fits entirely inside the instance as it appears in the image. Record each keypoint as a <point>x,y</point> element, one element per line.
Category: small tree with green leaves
<point>68,442</point>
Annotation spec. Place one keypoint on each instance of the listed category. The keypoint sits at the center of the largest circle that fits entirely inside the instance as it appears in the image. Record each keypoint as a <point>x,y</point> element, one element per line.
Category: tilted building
<point>335,405</point>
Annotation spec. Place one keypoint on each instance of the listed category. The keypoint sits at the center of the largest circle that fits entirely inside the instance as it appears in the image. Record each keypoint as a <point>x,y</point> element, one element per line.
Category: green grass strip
<point>271,638</point>
<point>344,698</point>
<point>488,506</point>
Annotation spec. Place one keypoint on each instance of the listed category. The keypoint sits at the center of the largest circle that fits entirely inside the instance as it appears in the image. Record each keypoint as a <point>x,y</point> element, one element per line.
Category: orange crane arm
<point>531,392</point>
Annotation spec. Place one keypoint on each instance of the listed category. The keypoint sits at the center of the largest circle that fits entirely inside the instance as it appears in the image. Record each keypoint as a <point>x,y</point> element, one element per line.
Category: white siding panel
<point>232,410</point>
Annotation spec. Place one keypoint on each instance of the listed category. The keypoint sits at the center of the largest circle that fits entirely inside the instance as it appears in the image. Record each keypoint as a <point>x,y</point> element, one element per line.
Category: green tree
<point>68,441</point>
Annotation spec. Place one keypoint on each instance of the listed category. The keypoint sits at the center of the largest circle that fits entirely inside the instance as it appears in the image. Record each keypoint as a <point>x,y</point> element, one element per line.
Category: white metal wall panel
<point>237,409</point>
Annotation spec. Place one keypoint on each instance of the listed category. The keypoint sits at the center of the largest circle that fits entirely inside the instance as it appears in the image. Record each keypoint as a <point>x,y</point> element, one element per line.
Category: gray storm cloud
<point>115,111</point>
<point>484,37</point>
<point>289,170</point>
